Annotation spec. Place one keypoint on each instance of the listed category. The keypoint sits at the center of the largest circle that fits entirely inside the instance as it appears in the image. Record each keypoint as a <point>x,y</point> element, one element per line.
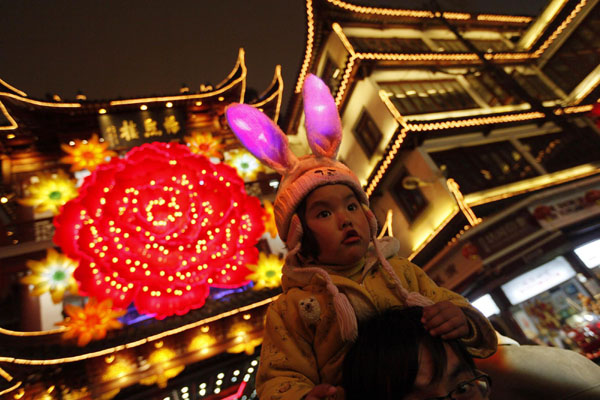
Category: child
<point>420,366</point>
<point>336,271</point>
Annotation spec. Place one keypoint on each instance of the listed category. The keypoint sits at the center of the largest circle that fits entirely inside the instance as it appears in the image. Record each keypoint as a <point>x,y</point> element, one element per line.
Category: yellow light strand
<point>310,37</point>
<point>560,28</point>
<point>460,199</point>
<point>345,80</point>
<point>277,79</point>
<point>137,343</point>
<point>419,57</point>
<point>239,64</point>
<point>387,225</point>
<point>10,389</point>
<point>504,18</point>
<point>432,235</point>
<point>575,109</point>
<point>14,89</point>
<point>13,124</point>
<point>5,375</point>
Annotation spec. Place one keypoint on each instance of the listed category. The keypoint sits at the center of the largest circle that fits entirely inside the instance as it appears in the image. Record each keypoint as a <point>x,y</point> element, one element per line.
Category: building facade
<point>473,137</point>
<point>207,351</point>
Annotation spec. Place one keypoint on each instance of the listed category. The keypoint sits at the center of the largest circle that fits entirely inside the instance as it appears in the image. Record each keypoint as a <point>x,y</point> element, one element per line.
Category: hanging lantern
<point>245,163</point>
<point>159,227</point>
<point>53,274</point>
<point>205,144</point>
<point>161,356</point>
<point>91,321</point>
<point>86,154</point>
<point>50,193</point>
<point>242,341</point>
<point>267,272</point>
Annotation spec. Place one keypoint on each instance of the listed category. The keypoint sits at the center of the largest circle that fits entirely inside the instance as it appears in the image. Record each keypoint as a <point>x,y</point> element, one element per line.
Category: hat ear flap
<point>295,232</point>
<point>261,136</point>
<point>322,120</point>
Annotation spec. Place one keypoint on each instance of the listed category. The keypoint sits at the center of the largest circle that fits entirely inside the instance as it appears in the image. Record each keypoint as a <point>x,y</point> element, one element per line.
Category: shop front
<point>534,268</point>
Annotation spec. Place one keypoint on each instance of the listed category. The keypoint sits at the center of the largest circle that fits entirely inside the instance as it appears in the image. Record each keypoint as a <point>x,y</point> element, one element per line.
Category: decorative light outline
<point>387,225</point>
<point>406,127</point>
<point>279,80</point>
<point>10,389</point>
<point>575,109</point>
<point>310,38</point>
<point>13,124</point>
<point>24,361</point>
<point>559,29</point>
<point>587,170</point>
<point>240,63</point>
<point>460,200</point>
<point>504,18</point>
<point>11,87</point>
<point>424,14</point>
<point>310,17</point>
<point>433,234</point>
<point>533,33</point>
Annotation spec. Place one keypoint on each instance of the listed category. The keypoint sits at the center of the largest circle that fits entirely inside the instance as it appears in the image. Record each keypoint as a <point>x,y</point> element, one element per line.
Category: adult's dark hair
<point>384,360</point>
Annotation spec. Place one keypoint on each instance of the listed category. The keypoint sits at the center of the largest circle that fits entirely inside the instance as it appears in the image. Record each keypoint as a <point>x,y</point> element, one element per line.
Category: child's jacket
<point>302,346</point>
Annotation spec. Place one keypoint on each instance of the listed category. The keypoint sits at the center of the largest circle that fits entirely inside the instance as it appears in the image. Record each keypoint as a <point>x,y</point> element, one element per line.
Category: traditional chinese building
<point>208,352</point>
<point>472,136</point>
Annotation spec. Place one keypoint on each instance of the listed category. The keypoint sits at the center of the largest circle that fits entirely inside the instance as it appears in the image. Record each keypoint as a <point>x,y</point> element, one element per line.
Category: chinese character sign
<point>127,130</point>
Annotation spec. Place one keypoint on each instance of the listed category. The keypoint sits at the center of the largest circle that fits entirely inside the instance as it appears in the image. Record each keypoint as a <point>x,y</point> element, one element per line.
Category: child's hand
<point>321,392</point>
<point>445,319</point>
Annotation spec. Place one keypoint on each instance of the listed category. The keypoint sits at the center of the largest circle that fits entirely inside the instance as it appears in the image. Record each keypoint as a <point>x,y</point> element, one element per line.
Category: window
<point>482,167</point>
<point>491,91</point>
<point>578,56</point>
<point>535,86</point>
<point>410,201</point>
<point>456,46</point>
<point>422,97</point>
<point>332,75</point>
<point>389,45</point>
<point>562,150</point>
<point>367,134</point>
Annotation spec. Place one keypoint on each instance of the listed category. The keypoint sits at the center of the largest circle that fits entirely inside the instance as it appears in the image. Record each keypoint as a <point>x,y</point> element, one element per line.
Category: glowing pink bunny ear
<point>322,120</point>
<point>261,136</point>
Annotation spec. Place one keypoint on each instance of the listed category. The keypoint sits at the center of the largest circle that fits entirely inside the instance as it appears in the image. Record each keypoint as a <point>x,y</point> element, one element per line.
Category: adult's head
<point>394,357</point>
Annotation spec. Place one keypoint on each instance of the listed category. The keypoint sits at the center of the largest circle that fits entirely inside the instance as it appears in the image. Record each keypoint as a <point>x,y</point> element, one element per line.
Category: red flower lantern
<point>595,114</point>
<point>159,227</point>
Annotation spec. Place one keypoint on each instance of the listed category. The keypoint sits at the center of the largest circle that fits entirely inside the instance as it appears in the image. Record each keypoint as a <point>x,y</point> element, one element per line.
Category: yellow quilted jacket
<point>302,346</point>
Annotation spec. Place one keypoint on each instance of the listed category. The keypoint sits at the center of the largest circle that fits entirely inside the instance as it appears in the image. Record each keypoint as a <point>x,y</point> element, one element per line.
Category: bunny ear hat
<point>300,176</point>
<point>263,138</point>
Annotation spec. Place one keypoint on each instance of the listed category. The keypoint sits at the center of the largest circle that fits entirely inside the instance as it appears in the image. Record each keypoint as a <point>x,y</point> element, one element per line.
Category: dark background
<point>130,48</point>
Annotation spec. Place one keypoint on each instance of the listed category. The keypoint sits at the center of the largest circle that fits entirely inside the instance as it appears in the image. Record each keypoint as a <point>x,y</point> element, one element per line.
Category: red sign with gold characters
<point>127,130</point>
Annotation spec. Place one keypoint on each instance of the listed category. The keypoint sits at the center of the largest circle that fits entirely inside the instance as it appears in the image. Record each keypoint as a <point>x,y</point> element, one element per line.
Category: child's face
<point>338,223</point>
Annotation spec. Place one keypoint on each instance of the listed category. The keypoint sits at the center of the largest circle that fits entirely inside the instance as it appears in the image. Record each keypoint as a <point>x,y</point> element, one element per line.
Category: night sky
<point>117,48</point>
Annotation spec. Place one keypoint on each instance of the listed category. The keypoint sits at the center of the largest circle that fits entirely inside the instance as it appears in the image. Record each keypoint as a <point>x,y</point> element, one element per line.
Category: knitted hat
<point>300,176</point>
